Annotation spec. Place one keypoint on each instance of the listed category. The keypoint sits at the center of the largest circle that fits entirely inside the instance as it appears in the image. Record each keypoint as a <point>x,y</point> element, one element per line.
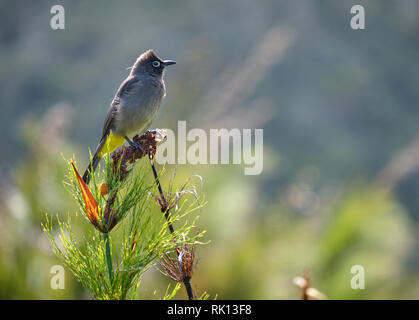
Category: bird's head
<point>150,63</point>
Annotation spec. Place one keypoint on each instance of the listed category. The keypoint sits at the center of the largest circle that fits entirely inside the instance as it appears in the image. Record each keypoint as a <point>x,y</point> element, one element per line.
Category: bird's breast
<point>138,109</point>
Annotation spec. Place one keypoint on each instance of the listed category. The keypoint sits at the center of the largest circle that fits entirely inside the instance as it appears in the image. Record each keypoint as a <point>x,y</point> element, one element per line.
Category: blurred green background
<point>339,109</point>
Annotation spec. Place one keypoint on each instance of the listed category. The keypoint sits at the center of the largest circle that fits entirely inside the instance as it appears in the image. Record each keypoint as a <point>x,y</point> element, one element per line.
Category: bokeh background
<point>339,109</point>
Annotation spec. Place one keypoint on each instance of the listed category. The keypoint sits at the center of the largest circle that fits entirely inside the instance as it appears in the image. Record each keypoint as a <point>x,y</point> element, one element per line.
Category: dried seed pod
<point>103,189</point>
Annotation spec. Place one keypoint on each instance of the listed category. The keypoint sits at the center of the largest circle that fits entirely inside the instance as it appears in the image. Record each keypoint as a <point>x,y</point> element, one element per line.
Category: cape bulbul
<point>134,106</point>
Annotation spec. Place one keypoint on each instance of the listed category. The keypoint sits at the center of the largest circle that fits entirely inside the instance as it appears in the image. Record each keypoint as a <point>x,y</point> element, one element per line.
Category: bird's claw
<point>138,147</point>
<point>134,145</point>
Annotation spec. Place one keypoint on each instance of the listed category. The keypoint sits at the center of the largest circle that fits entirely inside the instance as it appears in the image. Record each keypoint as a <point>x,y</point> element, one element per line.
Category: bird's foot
<point>134,144</point>
<point>152,131</point>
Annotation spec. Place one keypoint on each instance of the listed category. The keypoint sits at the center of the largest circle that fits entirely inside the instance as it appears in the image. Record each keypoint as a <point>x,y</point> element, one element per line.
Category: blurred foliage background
<point>338,107</point>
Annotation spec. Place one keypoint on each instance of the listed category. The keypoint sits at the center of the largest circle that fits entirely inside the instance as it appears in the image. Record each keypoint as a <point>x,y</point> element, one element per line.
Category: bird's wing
<point>124,90</point>
<point>126,87</point>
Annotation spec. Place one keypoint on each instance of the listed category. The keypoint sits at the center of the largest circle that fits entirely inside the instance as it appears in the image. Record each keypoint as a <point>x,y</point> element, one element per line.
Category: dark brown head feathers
<point>148,55</point>
<point>145,63</point>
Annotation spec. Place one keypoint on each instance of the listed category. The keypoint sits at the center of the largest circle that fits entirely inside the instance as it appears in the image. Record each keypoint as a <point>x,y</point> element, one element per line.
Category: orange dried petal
<point>103,189</point>
<point>92,209</point>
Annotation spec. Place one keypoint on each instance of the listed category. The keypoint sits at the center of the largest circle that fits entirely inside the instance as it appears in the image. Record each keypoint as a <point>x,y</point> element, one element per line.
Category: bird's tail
<point>93,164</point>
<point>111,141</point>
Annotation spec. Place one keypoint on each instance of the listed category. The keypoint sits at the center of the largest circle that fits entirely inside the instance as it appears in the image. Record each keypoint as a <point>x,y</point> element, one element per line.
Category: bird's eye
<point>156,64</point>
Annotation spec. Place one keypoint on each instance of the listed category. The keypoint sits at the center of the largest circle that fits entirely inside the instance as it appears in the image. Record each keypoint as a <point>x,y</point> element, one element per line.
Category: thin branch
<point>188,288</point>
<point>165,208</point>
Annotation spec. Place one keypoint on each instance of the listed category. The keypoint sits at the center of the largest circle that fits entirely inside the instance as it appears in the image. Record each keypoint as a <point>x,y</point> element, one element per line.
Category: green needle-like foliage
<point>138,241</point>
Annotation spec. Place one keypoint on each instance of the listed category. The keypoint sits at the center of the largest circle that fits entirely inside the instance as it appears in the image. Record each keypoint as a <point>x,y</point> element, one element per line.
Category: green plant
<point>127,239</point>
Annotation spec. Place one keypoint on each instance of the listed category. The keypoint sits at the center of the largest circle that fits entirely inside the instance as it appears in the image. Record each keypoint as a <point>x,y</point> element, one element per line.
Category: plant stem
<point>187,283</point>
<point>188,288</point>
<point>108,256</point>
<point>162,198</point>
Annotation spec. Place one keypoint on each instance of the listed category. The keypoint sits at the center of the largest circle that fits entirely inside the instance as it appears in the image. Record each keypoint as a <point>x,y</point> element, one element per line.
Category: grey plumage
<point>135,104</point>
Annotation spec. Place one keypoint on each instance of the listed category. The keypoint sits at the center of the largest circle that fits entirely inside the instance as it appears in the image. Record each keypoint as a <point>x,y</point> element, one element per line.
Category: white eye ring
<point>156,64</point>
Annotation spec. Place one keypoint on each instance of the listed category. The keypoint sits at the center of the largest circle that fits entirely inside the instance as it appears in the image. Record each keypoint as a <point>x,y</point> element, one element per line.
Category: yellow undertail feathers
<point>112,142</point>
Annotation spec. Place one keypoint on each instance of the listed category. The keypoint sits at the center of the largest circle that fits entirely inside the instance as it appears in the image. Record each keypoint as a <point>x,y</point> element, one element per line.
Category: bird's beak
<point>169,62</point>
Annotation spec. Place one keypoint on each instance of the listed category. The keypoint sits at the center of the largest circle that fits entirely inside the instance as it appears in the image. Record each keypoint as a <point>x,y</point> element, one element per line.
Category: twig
<point>165,208</point>
<point>188,288</point>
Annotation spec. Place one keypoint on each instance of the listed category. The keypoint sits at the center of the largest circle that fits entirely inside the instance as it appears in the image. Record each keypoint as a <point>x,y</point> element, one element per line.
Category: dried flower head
<point>181,267</point>
<point>128,155</point>
<point>307,292</point>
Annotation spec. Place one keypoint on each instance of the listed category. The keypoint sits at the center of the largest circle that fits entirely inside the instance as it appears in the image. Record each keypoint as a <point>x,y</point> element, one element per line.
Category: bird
<point>133,107</point>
